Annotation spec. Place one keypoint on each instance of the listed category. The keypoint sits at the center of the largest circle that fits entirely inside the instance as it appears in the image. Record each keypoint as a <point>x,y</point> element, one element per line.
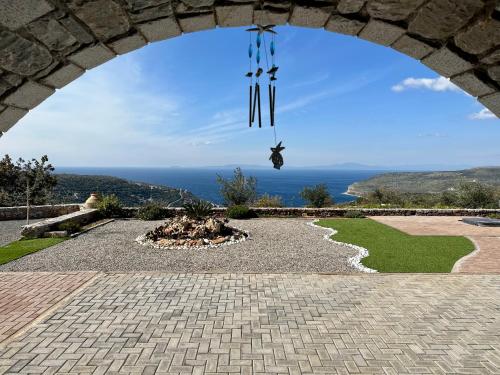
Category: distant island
<point>73,188</point>
<point>426,182</point>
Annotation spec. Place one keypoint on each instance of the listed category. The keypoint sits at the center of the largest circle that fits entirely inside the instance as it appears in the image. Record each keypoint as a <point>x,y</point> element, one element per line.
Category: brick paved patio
<point>272,324</point>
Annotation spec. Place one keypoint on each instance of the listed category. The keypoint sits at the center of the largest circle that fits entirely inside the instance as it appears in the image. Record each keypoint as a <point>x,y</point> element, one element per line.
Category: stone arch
<point>46,44</point>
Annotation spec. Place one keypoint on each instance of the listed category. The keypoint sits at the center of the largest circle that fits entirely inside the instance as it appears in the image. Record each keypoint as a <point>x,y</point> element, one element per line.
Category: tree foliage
<point>239,190</point>
<point>16,179</point>
<point>317,196</point>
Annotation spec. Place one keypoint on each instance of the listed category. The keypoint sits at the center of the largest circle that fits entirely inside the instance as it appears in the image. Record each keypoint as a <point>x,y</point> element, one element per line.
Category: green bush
<point>476,195</point>
<point>240,212</point>
<point>239,190</point>
<point>152,211</point>
<point>70,227</point>
<point>354,214</point>
<point>317,196</point>
<point>267,200</point>
<point>198,209</point>
<point>110,206</point>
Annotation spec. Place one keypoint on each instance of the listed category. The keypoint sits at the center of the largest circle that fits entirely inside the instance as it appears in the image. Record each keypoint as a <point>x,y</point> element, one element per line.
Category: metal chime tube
<point>274,102</point>
<point>258,98</point>
<point>271,104</point>
<point>250,109</point>
<point>254,107</point>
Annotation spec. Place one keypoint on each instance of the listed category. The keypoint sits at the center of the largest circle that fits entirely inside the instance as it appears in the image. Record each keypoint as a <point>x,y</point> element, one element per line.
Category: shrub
<point>317,196</point>
<point>476,195</point>
<point>239,190</point>
<point>110,206</point>
<point>240,212</point>
<point>354,215</point>
<point>198,209</point>
<point>70,227</point>
<point>267,200</point>
<point>152,211</point>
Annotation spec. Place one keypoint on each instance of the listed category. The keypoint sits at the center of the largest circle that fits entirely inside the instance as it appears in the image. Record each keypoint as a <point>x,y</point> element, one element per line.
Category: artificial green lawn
<point>18,249</point>
<point>394,251</point>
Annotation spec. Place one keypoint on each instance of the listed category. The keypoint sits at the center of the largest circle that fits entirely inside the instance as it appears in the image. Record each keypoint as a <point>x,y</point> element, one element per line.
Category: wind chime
<point>254,97</point>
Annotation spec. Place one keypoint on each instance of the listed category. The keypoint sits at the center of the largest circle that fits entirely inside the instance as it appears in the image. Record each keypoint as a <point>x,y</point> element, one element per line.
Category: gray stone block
<point>446,62</point>
<point>63,76</point>
<point>161,29</point>
<point>18,13</point>
<point>197,23</point>
<point>339,24</point>
<point>51,33</point>
<point>91,57</point>
<point>494,73</point>
<point>492,102</point>
<point>381,32</point>
<point>309,16</point>
<point>270,17</point>
<point>10,116</point>
<point>128,44</point>
<point>492,58</point>
<point>234,15</point>
<point>29,95</point>
<point>38,229</point>
<point>470,83</point>
<point>412,47</point>
<point>479,38</point>
<point>393,10</point>
<point>350,6</point>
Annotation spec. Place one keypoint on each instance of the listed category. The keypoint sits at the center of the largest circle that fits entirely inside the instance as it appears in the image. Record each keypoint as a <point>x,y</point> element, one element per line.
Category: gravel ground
<point>275,245</point>
<point>10,231</point>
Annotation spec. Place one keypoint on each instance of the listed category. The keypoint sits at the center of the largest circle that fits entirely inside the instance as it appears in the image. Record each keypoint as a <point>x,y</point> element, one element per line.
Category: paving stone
<point>10,116</point>
<point>344,25</point>
<point>412,47</point>
<point>268,324</point>
<point>197,23</point>
<point>472,84</point>
<point>160,29</point>
<point>234,15</point>
<point>29,95</point>
<point>350,6</point>
<point>446,62</point>
<point>63,76</point>
<point>309,16</point>
<point>51,33</point>
<point>91,57</point>
<point>17,13</point>
<point>381,32</point>
<point>492,102</point>
<point>273,17</point>
<point>440,19</point>
<point>104,17</point>
<point>393,10</point>
<point>128,44</point>
<point>481,37</point>
<point>22,56</point>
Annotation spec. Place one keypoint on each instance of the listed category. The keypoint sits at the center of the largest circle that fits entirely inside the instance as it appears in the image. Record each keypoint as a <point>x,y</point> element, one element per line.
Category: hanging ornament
<point>276,156</point>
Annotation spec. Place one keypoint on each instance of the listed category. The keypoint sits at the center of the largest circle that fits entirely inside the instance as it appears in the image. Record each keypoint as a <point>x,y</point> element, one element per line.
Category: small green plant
<point>240,212</point>
<point>197,209</point>
<point>239,190</point>
<point>110,206</point>
<point>267,200</point>
<point>354,214</point>
<point>70,227</point>
<point>152,211</point>
<point>317,196</point>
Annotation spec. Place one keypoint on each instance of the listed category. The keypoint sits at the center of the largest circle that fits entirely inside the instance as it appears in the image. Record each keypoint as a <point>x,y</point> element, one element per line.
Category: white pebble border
<point>146,242</point>
<point>355,261</point>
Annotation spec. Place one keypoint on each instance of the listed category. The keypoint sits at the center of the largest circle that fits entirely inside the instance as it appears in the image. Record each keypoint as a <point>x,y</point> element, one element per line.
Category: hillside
<point>426,182</point>
<point>72,188</point>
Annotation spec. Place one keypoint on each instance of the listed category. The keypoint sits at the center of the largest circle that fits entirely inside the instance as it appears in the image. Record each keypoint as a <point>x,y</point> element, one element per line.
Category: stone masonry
<point>46,44</point>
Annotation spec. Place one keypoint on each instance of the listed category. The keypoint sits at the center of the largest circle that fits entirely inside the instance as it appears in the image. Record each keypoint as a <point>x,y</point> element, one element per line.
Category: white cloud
<point>484,114</point>
<point>434,84</point>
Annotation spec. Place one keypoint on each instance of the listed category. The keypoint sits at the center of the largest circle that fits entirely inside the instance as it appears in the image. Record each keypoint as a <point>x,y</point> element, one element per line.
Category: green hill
<point>72,188</point>
<point>426,182</point>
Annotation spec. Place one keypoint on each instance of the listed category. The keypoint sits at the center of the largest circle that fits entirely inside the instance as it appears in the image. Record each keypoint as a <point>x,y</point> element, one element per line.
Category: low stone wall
<point>82,217</point>
<point>340,212</point>
<point>37,212</point>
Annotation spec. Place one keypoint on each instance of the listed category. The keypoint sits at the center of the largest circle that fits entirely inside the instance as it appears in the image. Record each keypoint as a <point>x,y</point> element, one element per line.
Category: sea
<point>202,182</point>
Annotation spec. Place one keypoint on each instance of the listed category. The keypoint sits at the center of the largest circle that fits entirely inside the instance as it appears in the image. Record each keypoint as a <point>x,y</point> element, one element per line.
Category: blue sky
<point>183,102</point>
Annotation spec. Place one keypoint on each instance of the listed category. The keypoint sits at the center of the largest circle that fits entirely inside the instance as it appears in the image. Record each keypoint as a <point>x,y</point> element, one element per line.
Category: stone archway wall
<point>46,44</point>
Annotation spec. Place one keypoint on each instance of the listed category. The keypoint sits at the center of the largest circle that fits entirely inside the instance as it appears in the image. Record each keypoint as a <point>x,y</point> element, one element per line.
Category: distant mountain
<point>72,188</point>
<point>426,182</point>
